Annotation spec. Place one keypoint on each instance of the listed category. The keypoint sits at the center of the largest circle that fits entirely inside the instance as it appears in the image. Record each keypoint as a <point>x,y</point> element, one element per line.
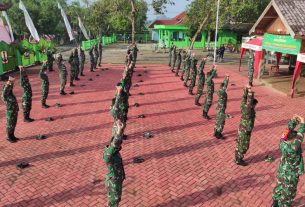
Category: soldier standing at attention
<point>174,58</point>
<point>251,68</point>
<point>184,58</point>
<point>62,74</point>
<point>194,74</point>
<point>50,59</point>
<point>187,69</point>
<point>221,108</point>
<point>96,55</point>
<point>201,79</point>
<point>208,99</point>
<point>291,163</point>
<point>92,69</point>
<point>116,174</point>
<point>170,56</point>
<point>178,62</point>
<point>246,125</point>
<point>26,95</point>
<point>76,59</point>
<point>134,53</point>
<point>12,109</point>
<point>100,53</point>
<point>73,66</point>
<point>82,59</point>
<point>44,85</point>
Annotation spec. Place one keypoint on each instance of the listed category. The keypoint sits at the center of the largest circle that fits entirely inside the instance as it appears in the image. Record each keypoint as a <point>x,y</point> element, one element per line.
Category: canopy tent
<point>297,71</point>
<point>256,45</point>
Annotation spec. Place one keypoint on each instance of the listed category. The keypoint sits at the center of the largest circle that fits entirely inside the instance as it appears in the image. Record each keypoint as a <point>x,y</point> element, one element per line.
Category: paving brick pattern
<point>184,164</point>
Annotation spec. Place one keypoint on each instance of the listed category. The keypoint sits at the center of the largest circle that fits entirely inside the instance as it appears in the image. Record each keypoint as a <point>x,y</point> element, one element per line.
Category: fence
<point>86,45</point>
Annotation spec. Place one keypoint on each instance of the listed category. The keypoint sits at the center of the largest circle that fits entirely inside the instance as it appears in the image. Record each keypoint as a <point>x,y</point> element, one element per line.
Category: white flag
<point>28,21</point>
<point>8,24</point>
<point>68,26</point>
<point>81,26</point>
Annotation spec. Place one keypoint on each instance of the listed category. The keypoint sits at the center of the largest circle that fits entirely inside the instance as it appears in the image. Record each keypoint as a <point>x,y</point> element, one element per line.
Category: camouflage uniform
<point>208,99</point>
<point>201,79</point>
<point>184,58</point>
<point>73,70</point>
<point>178,62</point>
<point>116,174</point>
<point>76,61</point>
<point>100,53</point>
<point>174,58</point>
<point>50,60</point>
<point>96,56</point>
<point>291,167</point>
<point>44,84</point>
<point>187,70</point>
<point>134,52</point>
<point>92,64</point>
<point>250,68</point>
<point>82,59</point>
<point>194,75</point>
<point>12,109</point>
<point>246,125</point>
<point>26,95</point>
<point>62,75</point>
<point>170,56</point>
<point>221,109</point>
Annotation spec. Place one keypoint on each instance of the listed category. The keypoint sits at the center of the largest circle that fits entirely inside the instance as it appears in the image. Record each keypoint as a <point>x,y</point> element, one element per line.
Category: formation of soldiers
<point>77,69</point>
<point>291,164</point>
<point>119,112</point>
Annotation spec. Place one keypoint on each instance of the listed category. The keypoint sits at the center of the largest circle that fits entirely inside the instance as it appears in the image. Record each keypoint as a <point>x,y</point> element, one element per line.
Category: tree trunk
<point>200,29</point>
<point>133,21</point>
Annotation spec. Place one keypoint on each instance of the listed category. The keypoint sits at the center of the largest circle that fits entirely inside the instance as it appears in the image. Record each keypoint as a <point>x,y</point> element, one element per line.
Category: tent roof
<point>256,41</point>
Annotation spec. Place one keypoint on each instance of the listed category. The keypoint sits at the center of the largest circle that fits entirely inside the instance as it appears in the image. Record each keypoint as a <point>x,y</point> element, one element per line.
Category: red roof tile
<point>174,21</point>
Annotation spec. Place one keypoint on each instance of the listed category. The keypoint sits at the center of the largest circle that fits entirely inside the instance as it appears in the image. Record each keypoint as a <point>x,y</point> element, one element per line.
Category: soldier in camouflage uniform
<point>179,59</point>
<point>174,58</point>
<point>100,54</point>
<point>26,95</point>
<point>73,67</point>
<point>82,59</point>
<point>96,55</point>
<point>76,60</point>
<point>114,162</point>
<point>128,57</point>
<point>62,74</point>
<point>221,108</point>
<point>92,64</point>
<point>194,74</point>
<point>50,60</point>
<point>134,53</point>
<point>170,56</point>
<point>208,99</point>
<point>251,68</point>
<point>187,69</point>
<point>184,61</point>
<point>44,85</point>
<point>246,125</point>
<point>201,79</point>
<point>12,109</point>
<point>291,163</point>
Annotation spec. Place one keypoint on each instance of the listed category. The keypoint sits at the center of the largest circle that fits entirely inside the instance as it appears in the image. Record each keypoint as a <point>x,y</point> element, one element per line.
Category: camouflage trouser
<point>170,61</point>
<point>100,60</point>
<point>193,82</point>
<point>187,76</point>
<point>183,72</point>
<point>44,92</point>
<point>81,67</point>
<point>92,65</point>
<point>114,190</point>
<point>199,91</point>
<point>76,71</point>
<point>63,80</point>
<point>286,189</point>
<point>95,62</point>
<point>173,63</point>
<point>50,66</point>
<point>220,121</point>
<point>11,122</point>
<point>72,74</point>
<point>178,67</point>
<point>208,99</point>
<point>26,106</point>
<point>250,76</point>
<point>243,143</point>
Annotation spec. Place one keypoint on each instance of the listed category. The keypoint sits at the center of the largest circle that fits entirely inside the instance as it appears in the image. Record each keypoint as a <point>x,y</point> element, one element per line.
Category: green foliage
<point>160,5</point>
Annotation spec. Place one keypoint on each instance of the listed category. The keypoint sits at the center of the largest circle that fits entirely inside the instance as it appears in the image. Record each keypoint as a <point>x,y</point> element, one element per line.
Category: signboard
<point>251,47</point>
<point>281,43</point>
<point>301,58</point>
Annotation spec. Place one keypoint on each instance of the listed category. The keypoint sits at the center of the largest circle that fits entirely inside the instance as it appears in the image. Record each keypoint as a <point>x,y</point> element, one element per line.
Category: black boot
<point>71,84</point>
<point>240,161</point>
<point>77,79</point>
<point>185,85</point>
<point>197,103</point>
<point>250,84</point>
<point>11,138</point>
<point>275,203</point>
<point>63,93</point>
<point>28,119</point>
<point>191,93</point>
<point>45,106</point>
<point>82,74</point>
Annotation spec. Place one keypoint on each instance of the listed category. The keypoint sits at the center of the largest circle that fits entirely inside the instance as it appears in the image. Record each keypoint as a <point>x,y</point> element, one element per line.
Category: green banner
<point>282,43</point>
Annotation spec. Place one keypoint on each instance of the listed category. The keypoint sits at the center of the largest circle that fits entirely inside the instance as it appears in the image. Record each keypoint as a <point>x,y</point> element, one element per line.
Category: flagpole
<point>216,33</point>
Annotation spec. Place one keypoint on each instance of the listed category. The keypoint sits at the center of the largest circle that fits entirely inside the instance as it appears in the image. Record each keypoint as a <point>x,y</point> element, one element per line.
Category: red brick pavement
<point>184,165</point>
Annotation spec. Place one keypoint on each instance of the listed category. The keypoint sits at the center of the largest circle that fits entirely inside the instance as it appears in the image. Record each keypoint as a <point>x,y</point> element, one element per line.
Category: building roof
<point>290,12</point>
<point>179,19</point>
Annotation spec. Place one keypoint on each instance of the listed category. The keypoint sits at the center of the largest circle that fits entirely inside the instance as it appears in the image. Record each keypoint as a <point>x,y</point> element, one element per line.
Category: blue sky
<point>172,10</point>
